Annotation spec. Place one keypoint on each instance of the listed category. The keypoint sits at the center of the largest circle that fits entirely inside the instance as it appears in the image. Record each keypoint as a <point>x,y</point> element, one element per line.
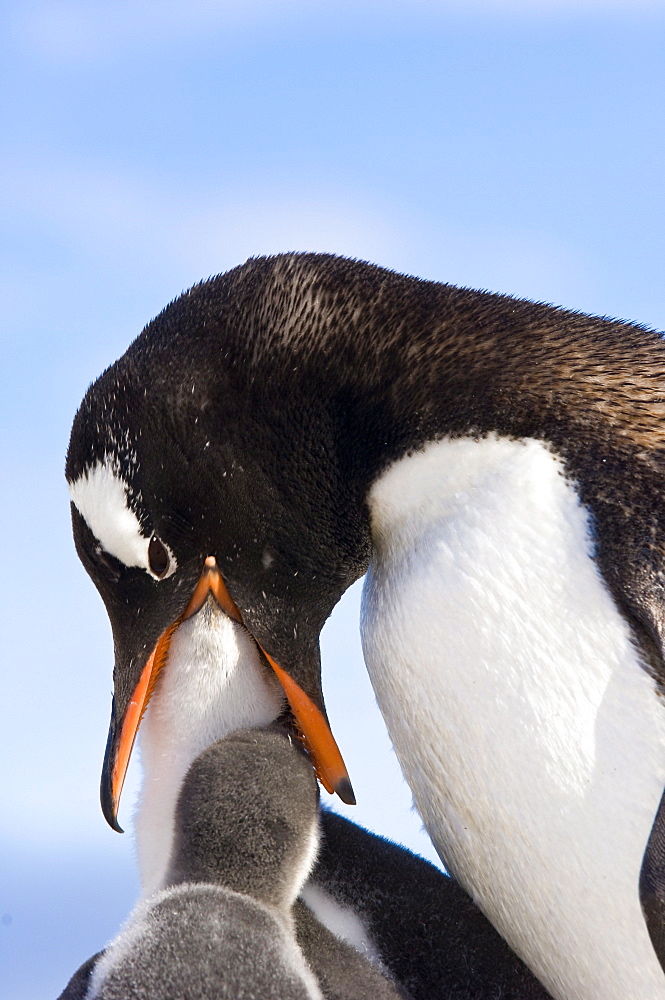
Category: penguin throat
<point>213,683</point>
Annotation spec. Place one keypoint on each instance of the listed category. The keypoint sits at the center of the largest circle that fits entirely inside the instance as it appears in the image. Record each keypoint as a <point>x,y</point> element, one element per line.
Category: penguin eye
<point>158,557</point>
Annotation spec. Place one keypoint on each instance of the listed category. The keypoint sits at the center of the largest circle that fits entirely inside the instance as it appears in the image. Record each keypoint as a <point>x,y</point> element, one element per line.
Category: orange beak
<point>317,737</point>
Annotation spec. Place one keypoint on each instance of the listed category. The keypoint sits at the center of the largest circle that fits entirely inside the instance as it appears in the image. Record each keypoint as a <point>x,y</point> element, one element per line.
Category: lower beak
<point>317,737</point>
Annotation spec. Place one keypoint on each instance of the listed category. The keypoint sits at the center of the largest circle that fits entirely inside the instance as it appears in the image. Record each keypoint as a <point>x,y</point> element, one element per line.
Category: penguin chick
<point>246,836</point>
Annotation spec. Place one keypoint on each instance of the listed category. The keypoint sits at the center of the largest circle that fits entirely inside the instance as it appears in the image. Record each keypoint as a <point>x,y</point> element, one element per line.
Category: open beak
<point>317,737</point>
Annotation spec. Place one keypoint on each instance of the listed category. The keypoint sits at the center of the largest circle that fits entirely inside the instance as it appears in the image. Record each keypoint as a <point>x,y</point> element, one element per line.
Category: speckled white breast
<point>531,737</point>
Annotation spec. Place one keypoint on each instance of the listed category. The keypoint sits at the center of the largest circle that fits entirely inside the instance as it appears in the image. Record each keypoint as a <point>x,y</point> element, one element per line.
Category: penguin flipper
<point>646,614</point>
<point>652,883</point>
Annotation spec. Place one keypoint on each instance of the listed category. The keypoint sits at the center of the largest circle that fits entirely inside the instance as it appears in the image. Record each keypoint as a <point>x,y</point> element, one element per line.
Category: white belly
<point>531,738</point>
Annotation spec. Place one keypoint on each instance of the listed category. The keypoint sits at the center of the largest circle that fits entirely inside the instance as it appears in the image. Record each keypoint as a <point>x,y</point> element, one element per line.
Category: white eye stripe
<point>100,496</point>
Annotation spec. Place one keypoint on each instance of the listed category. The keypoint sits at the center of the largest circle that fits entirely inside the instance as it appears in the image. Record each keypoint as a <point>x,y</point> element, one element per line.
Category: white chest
<point>532,740</point>
<point>213,683</point>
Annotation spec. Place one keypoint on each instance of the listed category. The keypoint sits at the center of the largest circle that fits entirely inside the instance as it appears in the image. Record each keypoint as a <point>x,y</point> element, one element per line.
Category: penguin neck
<point>391,364</point>
<point>529,730</point>
<point>214,683</point>
<point>404,361</point>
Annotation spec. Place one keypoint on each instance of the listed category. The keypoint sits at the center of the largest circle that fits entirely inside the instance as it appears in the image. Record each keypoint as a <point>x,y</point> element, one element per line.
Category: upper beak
<point>327,760</point>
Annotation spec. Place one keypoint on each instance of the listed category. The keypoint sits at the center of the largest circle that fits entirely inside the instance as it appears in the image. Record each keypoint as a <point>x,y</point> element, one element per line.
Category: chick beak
<point>315,731</point>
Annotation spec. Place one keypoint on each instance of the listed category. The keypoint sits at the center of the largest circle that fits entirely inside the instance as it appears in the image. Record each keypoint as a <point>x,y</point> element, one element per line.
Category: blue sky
<point>514,145</point>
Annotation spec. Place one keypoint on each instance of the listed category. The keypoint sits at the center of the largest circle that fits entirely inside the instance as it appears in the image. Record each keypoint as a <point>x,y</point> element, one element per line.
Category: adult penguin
<point>497,465</point>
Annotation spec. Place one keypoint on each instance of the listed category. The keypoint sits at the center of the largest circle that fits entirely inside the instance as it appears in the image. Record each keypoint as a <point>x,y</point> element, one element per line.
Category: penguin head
<point>179,490</point>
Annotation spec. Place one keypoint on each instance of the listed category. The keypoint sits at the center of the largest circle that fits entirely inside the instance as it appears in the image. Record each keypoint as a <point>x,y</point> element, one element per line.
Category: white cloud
<point>79,30</point>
